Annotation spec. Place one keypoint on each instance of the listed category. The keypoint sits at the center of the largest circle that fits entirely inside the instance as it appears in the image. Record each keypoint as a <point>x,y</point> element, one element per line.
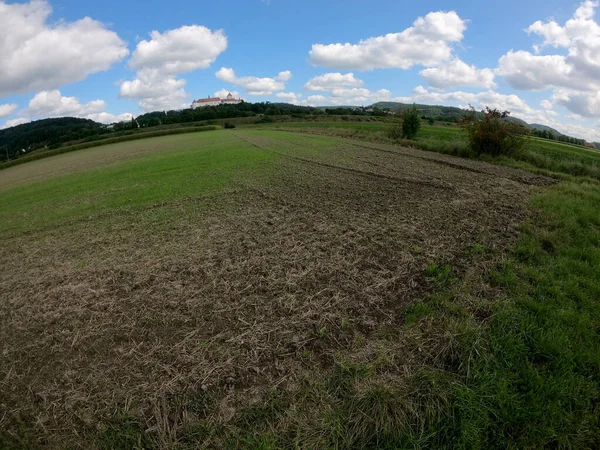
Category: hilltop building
<point>216,101</point>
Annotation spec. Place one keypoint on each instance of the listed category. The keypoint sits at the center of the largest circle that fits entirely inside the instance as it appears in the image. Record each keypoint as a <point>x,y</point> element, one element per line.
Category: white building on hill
<point>216,101</point>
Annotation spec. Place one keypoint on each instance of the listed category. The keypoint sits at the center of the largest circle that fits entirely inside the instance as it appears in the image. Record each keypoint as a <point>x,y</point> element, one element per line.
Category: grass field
<point>257,288</point>
<point>540,154</point>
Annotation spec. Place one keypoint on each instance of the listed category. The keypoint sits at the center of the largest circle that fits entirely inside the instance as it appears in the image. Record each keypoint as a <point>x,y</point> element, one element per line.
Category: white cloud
<point>178,51</point>
<point>426,43</point>
<point>586,104</point>
<point>457,73</point>
<point>347,97</point>
<point>53,104</point>
<point>315,100</point>
<point>546,104</point>
<point>358,96</point>
<point>161,59</point>
<point>47,104</point>
<point>329,81</point>
<point>289,97</point>
<point>7,109</point>
<point>480,100</point>
<point>574,76</point>
<point>574,116</point>
<point>223,93</point>
<point>107,118</point>
<point>526,71</point>
<point>156,94</point>
<point>35,55</point>
<point>254,85</point>
<point>15,122</point>
<point>553,33</point>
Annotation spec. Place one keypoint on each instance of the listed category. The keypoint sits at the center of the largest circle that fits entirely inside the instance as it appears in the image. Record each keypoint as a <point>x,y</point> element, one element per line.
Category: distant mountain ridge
<point>452,113</point>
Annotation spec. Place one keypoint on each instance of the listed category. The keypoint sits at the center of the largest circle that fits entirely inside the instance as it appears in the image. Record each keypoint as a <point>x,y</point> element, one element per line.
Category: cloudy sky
<point>107,60</point>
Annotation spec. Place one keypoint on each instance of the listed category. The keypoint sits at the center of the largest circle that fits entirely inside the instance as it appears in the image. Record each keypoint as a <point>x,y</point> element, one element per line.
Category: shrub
<point>408,127</point>
<point>493,134</point>
<point>411,122</point>
<point>395,132</point>
<point>228,125</point>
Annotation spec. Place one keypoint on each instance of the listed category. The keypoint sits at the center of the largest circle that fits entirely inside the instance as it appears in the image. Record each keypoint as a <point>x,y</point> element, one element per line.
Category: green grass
<point>135,135</point>
<point>542,155</point>
<point>204,164</point>
<point>524,373</point>
<point>528,377</point>
<point>536,381</point>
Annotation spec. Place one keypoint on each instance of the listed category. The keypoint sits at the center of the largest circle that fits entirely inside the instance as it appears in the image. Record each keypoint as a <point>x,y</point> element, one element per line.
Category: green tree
<point>411,122</point>
<point>492,133</point>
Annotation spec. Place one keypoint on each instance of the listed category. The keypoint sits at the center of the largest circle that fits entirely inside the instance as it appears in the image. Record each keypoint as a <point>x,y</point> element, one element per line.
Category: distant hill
<point>48,133</point>
<point>437,112</point>
<point>451,114</point>
<point>545,128</point>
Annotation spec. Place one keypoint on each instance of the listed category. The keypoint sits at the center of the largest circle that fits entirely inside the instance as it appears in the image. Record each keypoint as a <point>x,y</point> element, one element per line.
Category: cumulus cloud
<point>574,76</point>
<point>358,96</point>
<point>7,109</point>
<point>107,118</point>
<point>456,73</point>
<point>315,100</point>
<point>36,55</point>
<point>53,104</point>
<point>156,94</point>
<point>585,104</point>
<point>526,71</point>
<point>48,104</point>
<point>546,104</point>
<point>223,93</point>
<point>178,51</point>
<point>289,97</point>
<point>427,42</point>
<point>329,81</point>
<point>480,100</point>
<point>254,85</point>
<point>15,122</point>
<point>161,59</point>
<point>347,97</point>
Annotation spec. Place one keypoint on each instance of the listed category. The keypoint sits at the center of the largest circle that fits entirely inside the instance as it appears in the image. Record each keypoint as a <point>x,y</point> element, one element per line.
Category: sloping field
<point>206,291</point>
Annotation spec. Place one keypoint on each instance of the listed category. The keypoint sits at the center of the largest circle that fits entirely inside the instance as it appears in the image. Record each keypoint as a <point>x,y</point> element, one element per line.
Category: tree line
<point>553,136</point>
<point>46,133</point>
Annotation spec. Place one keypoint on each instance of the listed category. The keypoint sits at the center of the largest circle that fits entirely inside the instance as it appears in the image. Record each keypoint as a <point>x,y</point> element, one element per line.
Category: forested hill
<point>46,133</point>
<point>221,112</point>
<point>436,112</point>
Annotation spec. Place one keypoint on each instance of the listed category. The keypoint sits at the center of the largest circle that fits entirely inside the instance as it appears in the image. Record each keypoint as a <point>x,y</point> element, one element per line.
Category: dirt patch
<point>191,312</point>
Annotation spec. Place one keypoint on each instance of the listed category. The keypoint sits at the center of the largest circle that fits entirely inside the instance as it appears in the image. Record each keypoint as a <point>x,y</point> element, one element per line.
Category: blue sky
<point>106,60</point>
